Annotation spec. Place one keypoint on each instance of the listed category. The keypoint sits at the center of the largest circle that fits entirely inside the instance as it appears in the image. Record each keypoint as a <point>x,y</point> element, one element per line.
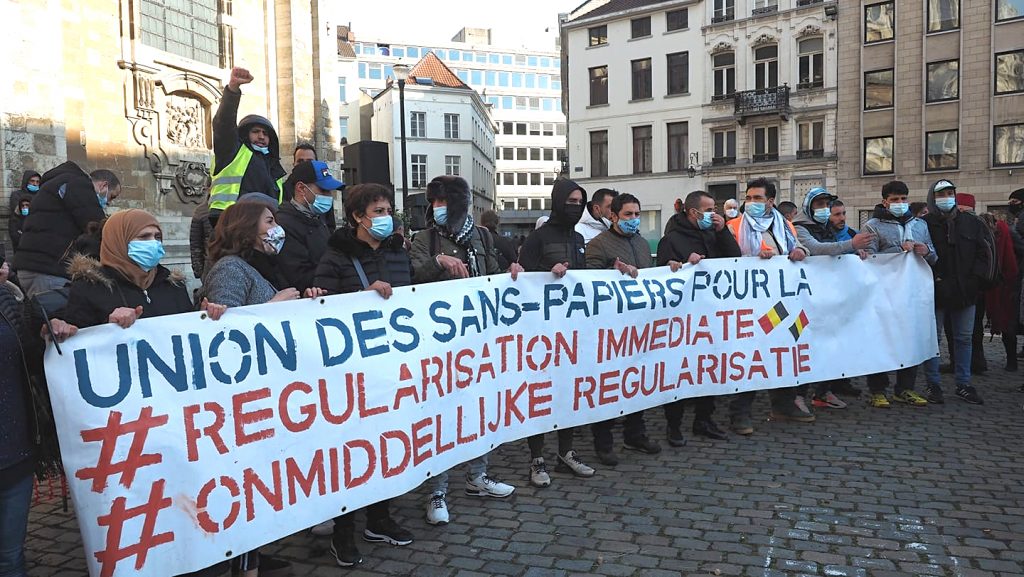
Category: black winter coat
<point>684,239</point>
<point>18,429</point>
<point>389,263</point>
<point>54,222</point>
<point>963,258</point>
<point>16,222</point>
<point>305,243</point>
<point>97,290</point>
<point>557,240</point>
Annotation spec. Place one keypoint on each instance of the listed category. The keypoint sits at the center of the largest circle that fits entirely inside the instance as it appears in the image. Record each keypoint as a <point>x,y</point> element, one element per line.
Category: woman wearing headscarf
<point>556,246</point>
<point>244,258</point>
<point>128,282</point>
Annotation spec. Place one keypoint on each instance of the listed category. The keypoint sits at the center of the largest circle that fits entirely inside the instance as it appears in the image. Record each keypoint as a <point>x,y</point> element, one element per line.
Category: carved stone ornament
<point>721,46</point>
<point>763,39</point>
<point>809,30</point>
<point>171,113</point>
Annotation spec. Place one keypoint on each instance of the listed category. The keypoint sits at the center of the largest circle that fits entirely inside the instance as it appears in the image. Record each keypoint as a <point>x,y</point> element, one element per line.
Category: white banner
<point>187,441</point>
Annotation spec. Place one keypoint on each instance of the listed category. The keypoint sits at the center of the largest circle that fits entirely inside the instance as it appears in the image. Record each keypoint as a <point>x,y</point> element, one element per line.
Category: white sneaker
<point>484,486</point>
<point>323,529</point>
<point>571,462</point>
<point>539,473</point>
<point>437,510</point>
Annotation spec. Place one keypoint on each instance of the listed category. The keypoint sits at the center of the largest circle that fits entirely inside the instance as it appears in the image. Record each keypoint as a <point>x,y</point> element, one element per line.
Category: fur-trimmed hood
<point>89,269</point>
<point>455,191</point>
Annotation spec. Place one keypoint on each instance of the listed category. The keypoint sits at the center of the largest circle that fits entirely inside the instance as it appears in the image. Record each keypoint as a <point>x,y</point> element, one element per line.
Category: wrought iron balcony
<point>813,153</point>
<point>808,2</point>
<point>766,157</point>
<point>764,10</point>
<point>765,101</point>
<point>723,160</point>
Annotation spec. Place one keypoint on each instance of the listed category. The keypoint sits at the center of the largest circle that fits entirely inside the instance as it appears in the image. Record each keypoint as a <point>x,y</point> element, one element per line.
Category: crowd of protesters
<point>267,236</point>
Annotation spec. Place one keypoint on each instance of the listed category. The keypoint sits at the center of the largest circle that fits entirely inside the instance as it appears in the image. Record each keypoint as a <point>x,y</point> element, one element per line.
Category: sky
<point>514,23</point>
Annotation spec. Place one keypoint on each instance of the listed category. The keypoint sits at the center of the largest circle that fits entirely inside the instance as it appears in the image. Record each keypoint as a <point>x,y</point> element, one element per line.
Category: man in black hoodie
<point>247,154</point>
<point>67,201</point>
<point>963,262</point>
<point>557,247</point>
<point>29,187</point>
<point>696,233</point>
<point>304,220</point>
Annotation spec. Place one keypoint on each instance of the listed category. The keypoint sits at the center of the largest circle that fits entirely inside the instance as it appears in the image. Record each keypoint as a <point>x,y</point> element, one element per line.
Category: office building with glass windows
<point>523,90</point>
<point>931,90</point>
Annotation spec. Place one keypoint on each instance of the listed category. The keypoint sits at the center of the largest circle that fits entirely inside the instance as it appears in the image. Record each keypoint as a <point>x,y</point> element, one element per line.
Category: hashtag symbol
<point>108,435</point>
<point>114,553</point>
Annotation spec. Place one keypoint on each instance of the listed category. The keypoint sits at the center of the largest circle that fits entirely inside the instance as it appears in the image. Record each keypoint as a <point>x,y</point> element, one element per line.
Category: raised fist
<point>239,76</point>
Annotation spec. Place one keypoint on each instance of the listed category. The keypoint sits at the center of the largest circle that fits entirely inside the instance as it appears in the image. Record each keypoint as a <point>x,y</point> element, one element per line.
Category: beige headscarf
<point>119,230</point>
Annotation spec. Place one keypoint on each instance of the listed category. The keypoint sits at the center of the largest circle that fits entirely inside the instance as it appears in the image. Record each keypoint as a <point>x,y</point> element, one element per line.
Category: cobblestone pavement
<point>905,491</point>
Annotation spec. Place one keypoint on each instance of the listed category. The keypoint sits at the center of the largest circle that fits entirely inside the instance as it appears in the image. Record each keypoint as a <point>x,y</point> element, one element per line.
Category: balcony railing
<point>766,157</point>
<point>765,101</point>
<point>813,153</point>
<point>810,85</point>
<point>723,160</point>
<point>764,10</point>
<point>808,2</point>
<point>723,16</point>
<point>722,97</point>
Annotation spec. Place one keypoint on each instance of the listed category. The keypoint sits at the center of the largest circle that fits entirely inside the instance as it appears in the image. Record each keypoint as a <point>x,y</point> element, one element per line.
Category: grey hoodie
<point>890,233</point>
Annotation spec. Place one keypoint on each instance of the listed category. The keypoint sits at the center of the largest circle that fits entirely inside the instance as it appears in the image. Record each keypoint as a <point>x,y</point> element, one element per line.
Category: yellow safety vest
<point>227,184</point>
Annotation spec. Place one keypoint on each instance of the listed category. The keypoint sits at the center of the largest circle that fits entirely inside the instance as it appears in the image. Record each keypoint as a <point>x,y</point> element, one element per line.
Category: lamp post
<point>401,74</point>
<point>694,164</point>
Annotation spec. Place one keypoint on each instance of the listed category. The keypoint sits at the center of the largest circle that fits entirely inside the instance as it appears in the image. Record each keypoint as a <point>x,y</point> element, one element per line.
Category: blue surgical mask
<point>898,209</point>
<point>146,253</point>
<point>755,209</point>
<point>322,204</point>
<point>33,188</point>
<point>732,213</point>
<point>261,149</point>
<point>630,226</point>
<point>275,239</point>
<point>946,204</point>
<point>24,211</point>
<point>441,215</point>
<point>821,215</point>
<point>102,199</point>
<point>382,227</point>
<point>706,220</point>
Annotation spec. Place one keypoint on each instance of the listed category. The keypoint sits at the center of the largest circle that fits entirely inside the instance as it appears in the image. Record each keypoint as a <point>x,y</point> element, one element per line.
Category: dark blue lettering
<point>198,365</point>
<point>90,396</point>
<point>442,320</point>
<point>396,316</point>
<point>239,339</point>
<point>510,305</point>
<point>147,357</point>
<point>579,302</point>
<point>469,318</point>
<point>328,359</point>
<point>364,334</point>
<point>633,295</point>
<point>675,286</point>
<point>285,354</point>
<point>550,301</point>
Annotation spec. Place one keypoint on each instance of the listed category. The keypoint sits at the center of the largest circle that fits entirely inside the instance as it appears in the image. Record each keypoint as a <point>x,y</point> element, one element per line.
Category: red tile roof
<point>430,66</point>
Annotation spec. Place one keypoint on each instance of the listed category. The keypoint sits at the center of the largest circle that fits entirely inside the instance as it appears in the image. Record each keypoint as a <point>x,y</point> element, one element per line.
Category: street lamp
<point>694,165</point>
<point>401,74</point>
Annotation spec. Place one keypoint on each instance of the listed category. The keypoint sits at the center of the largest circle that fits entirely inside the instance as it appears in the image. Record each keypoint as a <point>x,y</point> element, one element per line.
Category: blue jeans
<point>475,468</point>
<point>15,498</point>
<point>963,329</point>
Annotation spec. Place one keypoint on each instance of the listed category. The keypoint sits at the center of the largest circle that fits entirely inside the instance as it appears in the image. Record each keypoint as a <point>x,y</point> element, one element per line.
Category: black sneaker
<point>710,429</point>
<point>676,438</point>
<point>845,388</point>
<point>934,395</point>
<point>387,531</point>
<point>274,566</point>
<point>345,552</point>
<point>607,458</point>
<point>969,395</point>
<point>642,445</point>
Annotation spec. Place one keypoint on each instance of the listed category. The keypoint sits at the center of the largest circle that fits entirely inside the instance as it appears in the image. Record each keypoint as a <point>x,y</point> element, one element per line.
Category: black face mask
<point>573,212</point>
<point>1015,209</point>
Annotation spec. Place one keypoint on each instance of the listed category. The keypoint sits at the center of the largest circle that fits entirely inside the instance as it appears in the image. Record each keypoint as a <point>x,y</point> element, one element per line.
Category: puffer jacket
<point>16,416</point>
<point>337,273</point>
<point>429,243</point>
<point>589,227</point>
<point>97,290</point>
<point>611,245</point>
<point>61,211</point>
<point>820,239</point>
<point>891,232</point>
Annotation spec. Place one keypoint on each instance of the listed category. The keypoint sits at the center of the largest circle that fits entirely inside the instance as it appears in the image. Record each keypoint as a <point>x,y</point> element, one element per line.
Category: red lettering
<point>243,418</point>
<point>511,406</point>
<point>537,400</point>
<point>440,447</point>
<point>778,352</point>
<point>458,428</point>
<point>725,316</point>
<point>203,499</point>
<point>295,476</point>
<point>630,389</point>
<point>658,334</point>
<point>371,462</point>
<point>363,411</point>
<point>326,406</point>
<point>387,471</point>
<point>421,441</point>
<point>802,359</point>
<point>308,411</point>
<point>252,483</point>
<point>607,388</point>
<point>581,393</point>
<point>744,320</point>
<point>212,431</point>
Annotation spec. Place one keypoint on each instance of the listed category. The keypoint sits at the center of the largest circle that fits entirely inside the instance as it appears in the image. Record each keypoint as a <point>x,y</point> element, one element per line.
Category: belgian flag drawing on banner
<point>773,318</point>
<point>799,326</point>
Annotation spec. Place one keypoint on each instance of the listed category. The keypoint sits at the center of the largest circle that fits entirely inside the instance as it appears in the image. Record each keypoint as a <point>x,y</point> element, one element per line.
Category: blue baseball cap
<point>315,172</point>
